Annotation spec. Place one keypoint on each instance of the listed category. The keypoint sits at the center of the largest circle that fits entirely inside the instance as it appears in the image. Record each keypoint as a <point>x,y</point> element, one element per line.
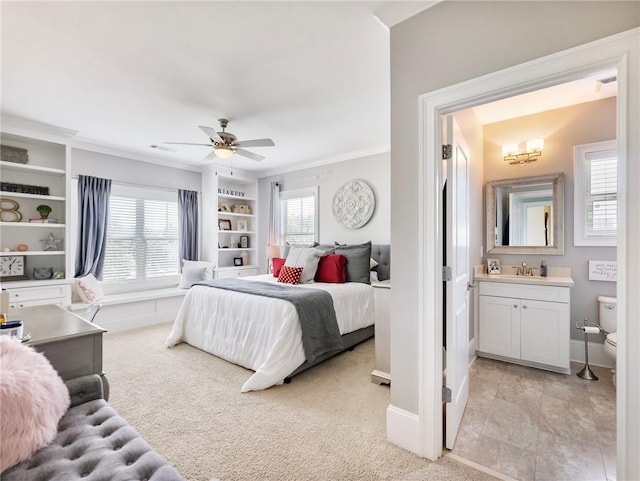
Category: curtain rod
<point>130,184</point>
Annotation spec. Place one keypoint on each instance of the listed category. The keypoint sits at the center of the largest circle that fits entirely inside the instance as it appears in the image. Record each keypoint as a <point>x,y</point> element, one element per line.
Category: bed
<point>264,333</point>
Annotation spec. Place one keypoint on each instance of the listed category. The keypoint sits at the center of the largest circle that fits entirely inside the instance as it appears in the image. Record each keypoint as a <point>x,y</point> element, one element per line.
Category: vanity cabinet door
<point>500,326</point>
<point>545,332</point>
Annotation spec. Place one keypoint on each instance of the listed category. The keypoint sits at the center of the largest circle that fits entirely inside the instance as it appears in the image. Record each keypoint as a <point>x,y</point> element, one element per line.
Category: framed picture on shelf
<point>244,241</point>
<point>237,261</point>
<point>224,224</point>
<point>242,226</point>
<point>493,266</point>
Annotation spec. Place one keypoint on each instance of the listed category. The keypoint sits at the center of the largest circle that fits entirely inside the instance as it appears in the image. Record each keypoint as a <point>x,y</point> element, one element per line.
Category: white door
<point>457,289</point>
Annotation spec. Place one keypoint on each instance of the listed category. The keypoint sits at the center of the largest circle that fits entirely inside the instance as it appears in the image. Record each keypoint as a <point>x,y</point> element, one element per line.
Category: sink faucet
<point>524,270</point>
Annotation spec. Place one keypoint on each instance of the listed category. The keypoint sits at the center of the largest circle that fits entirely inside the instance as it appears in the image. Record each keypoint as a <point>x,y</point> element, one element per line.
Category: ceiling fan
<point>226,144</point>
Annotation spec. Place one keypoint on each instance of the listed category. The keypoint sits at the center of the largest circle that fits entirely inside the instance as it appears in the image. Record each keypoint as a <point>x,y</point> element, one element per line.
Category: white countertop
<point>558,276</point>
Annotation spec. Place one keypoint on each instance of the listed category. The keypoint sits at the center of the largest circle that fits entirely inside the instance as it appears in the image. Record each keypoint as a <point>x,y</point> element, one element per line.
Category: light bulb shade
<point>273,251</point>
<point>535,145</point>
<point>509,149</point>
<point>223,152</point>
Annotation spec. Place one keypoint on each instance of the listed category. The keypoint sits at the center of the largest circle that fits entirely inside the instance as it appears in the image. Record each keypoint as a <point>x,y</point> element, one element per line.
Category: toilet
<point>608,320</point>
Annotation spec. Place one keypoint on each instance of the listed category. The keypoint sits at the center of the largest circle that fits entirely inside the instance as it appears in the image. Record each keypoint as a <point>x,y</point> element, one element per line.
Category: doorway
<point>560,68</point>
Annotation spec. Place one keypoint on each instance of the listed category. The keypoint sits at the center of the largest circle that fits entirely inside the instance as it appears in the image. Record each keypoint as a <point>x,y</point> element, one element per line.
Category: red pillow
<point>290,275</point>
<point>277,264</point>
<point>332,268</point>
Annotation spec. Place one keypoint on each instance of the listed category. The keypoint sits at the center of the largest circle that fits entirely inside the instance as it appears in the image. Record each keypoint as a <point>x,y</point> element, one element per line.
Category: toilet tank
<point>608,313</point>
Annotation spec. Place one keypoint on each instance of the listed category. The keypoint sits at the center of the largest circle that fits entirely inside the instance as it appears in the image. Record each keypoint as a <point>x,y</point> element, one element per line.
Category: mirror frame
<point>557,180</point>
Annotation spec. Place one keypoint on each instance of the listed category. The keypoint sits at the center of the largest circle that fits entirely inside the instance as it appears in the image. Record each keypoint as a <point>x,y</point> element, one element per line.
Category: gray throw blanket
<point>320,332</point>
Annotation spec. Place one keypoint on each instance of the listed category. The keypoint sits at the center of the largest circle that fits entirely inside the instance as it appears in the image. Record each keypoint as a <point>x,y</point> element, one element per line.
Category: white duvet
<point>261,333</point>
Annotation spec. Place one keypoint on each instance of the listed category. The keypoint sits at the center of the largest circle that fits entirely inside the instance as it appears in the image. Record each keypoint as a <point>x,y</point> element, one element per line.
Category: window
<point>142,237</point>
<point>596,194</point>
<point>298,216</point>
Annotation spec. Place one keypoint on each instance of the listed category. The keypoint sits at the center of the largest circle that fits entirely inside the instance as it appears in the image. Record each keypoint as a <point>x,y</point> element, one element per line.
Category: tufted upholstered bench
<point>93,444</point>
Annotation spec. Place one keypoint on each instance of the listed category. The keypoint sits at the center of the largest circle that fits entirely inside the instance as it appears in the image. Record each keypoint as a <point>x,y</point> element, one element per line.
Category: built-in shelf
<point>224,214</point>
<point>32,253</point>
<point>235,197</point>
<point>236,232</point>
<point>235,268</point>
<point>31,168</point>
<point>31,224</point>
<point>5,193</point>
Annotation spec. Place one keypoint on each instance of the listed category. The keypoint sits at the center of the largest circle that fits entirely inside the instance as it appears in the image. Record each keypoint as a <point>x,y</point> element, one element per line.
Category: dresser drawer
<point>226,273</point>
<point>56,301</point>
<point>38,293</point>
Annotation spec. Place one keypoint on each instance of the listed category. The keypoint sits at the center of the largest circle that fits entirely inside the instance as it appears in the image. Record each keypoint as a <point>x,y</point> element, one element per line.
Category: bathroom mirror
<point>525,215</point>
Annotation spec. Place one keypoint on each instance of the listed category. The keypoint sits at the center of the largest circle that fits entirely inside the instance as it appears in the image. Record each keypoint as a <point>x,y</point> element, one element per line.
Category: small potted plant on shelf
<point>44,210</point>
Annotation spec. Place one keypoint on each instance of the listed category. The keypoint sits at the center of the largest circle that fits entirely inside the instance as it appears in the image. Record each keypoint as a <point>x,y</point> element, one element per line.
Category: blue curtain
<point>93,210</point>
<point>188,221</point>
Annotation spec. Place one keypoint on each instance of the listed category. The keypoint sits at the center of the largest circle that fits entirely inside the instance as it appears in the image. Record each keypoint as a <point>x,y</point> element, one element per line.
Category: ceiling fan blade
<point>248,154</point>
<point>255,143</point>
<point>211,133</point>
<point>186,143</point>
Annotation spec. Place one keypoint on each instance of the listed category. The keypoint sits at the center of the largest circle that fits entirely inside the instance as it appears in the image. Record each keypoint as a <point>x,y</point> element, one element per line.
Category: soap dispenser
<point>543,269</point>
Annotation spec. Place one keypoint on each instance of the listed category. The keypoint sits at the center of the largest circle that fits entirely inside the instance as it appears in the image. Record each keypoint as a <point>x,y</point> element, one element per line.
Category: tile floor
<point>535,425</point>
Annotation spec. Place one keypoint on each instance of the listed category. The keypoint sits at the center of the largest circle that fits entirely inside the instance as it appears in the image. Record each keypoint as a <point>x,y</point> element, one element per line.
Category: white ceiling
<point>312,76</point>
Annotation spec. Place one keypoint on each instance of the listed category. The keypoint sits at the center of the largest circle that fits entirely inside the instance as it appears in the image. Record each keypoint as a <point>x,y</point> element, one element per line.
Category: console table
<point>72,345</point>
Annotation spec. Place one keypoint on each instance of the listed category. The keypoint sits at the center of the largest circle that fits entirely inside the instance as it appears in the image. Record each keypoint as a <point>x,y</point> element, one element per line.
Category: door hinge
<point>446,394</point>
<point>446,273</point>
<point>447,151</point>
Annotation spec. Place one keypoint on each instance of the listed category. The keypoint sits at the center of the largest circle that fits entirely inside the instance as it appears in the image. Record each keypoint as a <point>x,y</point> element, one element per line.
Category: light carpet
<point>328,424</point>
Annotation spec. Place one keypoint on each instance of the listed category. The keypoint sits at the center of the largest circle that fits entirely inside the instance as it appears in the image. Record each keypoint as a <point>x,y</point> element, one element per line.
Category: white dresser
<point>38,293</point>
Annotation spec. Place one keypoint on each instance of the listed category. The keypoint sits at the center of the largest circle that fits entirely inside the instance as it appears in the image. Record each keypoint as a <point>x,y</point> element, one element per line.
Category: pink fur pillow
<point>33,398</point>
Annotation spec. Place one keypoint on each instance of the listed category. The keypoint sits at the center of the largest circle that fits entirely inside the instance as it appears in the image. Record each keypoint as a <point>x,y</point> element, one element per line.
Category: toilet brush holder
<point>586,372</point>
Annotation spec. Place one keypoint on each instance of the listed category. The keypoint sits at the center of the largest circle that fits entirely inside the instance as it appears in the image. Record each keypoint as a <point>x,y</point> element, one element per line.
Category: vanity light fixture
<point>533,151</point>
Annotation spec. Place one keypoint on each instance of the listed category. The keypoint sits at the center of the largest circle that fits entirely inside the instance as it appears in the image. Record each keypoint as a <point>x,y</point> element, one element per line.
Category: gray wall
<point>561,129</point>
<point>329,178</point>
<point>122,169</point>
<point>447,44</point>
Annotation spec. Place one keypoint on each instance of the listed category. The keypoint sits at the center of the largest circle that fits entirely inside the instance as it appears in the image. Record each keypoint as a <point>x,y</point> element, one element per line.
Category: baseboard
<point>403,429</point>
<point>597,356</point>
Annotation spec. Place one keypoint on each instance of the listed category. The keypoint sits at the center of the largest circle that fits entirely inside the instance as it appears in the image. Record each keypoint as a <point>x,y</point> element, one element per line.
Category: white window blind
<point>142,237</point>
<point>596,198</point>
<point>298,216</point>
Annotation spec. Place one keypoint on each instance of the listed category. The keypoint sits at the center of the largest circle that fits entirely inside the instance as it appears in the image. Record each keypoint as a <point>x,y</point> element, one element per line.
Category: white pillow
<point>195,271</point>
<point>372,263</point>
<point>88,288</point>
<point>307,258</point>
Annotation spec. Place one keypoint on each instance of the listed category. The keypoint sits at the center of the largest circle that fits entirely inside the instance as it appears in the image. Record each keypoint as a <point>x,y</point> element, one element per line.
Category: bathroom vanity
<point>525,319</point>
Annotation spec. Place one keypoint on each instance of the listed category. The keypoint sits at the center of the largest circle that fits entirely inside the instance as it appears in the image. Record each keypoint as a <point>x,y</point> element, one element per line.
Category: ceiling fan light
<point>223,152</point>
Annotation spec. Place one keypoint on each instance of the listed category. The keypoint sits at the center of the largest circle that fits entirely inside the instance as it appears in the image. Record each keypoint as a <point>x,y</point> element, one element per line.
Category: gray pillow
<point>326,249</point>
<point>286,247</point>
<point>358,258</point>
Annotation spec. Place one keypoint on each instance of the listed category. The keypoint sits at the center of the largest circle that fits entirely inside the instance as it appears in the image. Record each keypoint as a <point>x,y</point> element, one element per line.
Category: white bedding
<point>261,333</point>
